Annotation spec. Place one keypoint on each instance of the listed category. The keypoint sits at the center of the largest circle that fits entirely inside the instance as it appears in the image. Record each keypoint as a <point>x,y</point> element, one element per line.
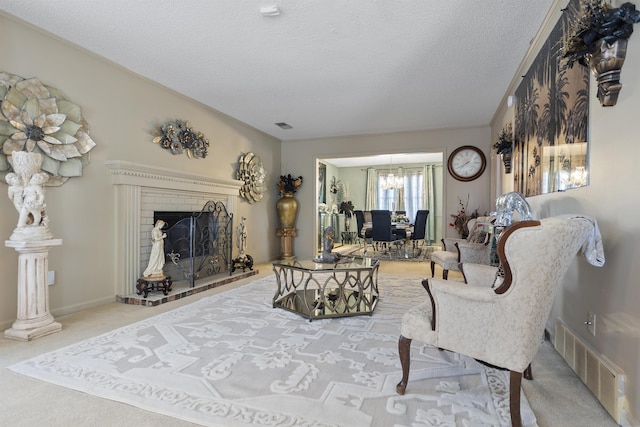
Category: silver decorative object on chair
<point>509,203</point>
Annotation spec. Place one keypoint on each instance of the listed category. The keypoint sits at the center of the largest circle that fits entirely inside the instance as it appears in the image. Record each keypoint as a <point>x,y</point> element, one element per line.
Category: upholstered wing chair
<point>475,248</point>
<point>501,325</point>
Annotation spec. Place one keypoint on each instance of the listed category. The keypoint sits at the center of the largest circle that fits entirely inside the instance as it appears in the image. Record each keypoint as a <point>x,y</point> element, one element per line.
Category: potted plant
<point>287,205</point>
<point>459,220</point>
<point>597,37</point>
<point>504,146</point>
<point>347,208</point>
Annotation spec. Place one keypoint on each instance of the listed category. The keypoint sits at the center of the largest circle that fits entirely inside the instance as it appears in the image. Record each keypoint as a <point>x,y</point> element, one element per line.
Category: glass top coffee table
<point>322,290</point>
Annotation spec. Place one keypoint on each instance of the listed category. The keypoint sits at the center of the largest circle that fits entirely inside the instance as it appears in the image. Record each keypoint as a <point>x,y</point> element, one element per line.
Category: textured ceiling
<point>325,67</point>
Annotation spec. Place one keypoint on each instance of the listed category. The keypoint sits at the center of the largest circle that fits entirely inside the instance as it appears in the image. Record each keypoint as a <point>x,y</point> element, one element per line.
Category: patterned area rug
<point>233,360</point>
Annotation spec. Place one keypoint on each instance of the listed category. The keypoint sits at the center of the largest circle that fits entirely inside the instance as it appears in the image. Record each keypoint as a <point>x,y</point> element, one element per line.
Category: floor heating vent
<point>601,376</point>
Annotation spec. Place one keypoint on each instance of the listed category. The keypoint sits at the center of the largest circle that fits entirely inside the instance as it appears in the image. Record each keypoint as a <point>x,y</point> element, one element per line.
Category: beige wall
<point>299,158</point>
<point>613,291</point>
<point>121,109</point>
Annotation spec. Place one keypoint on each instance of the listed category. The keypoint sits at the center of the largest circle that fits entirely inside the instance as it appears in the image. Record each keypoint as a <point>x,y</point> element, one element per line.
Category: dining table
<point>395,226</point>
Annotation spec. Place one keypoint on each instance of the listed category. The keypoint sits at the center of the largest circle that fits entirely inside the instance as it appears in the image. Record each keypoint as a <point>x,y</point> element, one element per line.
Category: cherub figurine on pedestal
<point>26,191</point>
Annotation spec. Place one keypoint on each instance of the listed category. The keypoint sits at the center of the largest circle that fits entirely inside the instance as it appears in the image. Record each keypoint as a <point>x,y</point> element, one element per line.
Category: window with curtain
<point>386,199</point>
<point>421,190</point>
<point>410,198</point>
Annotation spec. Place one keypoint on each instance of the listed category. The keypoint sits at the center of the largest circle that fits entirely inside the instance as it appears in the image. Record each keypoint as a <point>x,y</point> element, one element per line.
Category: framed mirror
<point>551,150</point>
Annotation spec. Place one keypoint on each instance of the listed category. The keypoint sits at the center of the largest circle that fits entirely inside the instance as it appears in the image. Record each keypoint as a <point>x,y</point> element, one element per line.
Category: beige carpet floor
<point>556,395</point>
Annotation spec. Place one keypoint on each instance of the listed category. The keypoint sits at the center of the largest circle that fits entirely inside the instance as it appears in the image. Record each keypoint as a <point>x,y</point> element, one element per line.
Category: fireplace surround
<point>139,191</point>
<point>199,244</point>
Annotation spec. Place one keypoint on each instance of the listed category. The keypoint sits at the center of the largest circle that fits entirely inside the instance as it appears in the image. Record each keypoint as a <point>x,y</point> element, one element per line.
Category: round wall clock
<point>467,163</point>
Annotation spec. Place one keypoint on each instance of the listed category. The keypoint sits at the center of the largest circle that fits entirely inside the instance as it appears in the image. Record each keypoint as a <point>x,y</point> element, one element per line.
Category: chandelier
<point>579,176</point>
<point>576,178</point>
<point>391,181</point>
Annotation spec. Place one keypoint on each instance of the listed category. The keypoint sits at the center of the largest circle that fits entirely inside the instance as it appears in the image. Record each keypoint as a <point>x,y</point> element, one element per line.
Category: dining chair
<point>419,227</point>
<point>382,232</point>
<point>363,234</point>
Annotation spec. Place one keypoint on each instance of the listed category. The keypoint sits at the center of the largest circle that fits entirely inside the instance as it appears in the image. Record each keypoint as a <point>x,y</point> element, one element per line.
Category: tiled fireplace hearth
<point>142,189</point>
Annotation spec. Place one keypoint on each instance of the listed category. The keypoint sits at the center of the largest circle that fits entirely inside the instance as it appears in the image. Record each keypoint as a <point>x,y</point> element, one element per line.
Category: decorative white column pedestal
<point>34,319</point>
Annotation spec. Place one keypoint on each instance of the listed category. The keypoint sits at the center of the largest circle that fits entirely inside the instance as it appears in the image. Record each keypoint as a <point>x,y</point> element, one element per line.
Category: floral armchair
<point>475,248</point>
<point>500,324</point>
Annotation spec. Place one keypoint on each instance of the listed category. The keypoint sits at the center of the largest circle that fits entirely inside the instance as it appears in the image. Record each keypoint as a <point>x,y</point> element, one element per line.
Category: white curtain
<point>430,199</point>
<point>371,201</point>
<point>400,194</point>
<point>413,193</point>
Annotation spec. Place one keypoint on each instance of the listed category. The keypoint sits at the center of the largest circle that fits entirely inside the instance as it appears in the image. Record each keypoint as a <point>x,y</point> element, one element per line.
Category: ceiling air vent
<point>283,125</point>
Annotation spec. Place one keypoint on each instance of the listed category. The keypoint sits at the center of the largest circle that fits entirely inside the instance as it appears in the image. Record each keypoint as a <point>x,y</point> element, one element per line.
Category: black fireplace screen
<point>198,244</point>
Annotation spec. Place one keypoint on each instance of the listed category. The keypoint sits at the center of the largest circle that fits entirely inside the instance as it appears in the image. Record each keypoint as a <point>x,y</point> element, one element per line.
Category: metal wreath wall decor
<point>177,136</point>
<point>252,172</point>
<point>36,118</point>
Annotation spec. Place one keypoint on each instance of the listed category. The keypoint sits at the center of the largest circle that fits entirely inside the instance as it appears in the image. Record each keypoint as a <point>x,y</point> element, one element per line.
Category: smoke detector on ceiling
<point>270,11</point>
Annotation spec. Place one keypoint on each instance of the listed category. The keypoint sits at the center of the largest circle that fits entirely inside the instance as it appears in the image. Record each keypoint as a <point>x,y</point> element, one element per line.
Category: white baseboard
<point>70,309</point>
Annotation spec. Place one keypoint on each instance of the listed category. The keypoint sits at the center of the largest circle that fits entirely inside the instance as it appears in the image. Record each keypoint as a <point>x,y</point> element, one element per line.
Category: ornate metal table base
<point>144,286</point>
<point>316,290</point>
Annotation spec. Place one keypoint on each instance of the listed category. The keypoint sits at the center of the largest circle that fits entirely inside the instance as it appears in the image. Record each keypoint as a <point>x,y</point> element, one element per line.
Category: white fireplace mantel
<point>136,185</point>
<point>136,174</point>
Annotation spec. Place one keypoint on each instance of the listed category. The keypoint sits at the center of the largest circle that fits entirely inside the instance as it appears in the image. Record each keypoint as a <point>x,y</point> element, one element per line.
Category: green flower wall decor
<point>39,119</point>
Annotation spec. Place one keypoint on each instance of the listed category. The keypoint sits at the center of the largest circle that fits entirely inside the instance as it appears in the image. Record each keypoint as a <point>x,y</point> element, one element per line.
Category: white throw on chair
<point>500,325</point>
<point>475,248</point>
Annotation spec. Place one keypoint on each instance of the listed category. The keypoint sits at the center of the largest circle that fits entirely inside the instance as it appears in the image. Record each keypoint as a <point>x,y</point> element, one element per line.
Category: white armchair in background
<point>502,324</point>
<point>476,248</point>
